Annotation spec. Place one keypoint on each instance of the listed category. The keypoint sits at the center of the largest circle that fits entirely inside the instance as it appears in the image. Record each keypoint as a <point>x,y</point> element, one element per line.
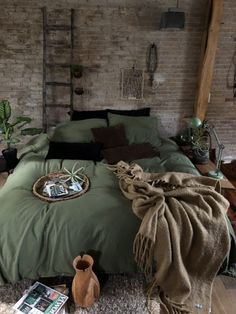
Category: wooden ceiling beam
<point>207,57</point>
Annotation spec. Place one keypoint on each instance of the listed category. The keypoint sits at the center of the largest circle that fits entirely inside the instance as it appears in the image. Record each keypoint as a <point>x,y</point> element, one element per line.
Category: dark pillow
<point>102,114</point>
<point>84,151</point>
<point>132,112</point>
<point>129,152</point>
<point>93,114</point>
<point>111,136</point>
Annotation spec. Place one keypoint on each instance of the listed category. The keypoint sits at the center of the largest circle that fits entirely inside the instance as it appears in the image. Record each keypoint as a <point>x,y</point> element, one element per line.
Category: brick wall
<point>111,35</point>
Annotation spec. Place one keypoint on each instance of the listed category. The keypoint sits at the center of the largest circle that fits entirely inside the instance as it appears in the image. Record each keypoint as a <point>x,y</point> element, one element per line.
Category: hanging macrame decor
<point>132,84</point>
<point>234,89</point>
<point>152,62</point>
<point>231,75</point>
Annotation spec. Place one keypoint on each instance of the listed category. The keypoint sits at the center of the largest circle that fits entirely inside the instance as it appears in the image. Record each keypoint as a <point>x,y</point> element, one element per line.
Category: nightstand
<point>205,168</point>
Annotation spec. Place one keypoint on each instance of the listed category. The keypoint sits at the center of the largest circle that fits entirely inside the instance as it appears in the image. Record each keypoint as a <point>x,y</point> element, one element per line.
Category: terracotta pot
<point>85,285</point>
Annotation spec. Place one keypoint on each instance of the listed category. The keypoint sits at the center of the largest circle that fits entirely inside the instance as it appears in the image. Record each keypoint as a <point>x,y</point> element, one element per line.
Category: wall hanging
<point>152,62</point>
<point>231,75</point>
<point>132,84</point>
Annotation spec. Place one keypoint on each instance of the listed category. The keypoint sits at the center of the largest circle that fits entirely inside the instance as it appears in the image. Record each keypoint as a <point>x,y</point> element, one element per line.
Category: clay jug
<point>85,285</point>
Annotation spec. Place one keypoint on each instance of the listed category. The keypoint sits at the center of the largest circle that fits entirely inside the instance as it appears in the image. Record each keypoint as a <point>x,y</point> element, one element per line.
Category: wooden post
<point>209,47</point>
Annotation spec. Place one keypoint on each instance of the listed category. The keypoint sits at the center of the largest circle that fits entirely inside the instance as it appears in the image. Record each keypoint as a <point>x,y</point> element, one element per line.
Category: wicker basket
<point>39,185</point>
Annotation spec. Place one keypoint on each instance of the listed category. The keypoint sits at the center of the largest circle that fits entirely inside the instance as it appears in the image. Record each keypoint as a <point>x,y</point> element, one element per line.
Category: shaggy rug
<point>119,295</point>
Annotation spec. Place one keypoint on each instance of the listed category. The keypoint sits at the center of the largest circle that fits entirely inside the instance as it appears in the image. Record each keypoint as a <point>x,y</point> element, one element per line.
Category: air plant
<point>74,175</point>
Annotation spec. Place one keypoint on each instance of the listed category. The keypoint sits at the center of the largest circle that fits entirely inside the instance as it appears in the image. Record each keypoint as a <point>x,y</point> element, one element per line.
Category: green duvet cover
<point>41,239</point>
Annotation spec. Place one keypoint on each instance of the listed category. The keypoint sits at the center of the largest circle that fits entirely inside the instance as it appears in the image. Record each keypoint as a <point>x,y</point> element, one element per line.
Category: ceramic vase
<point>85,285</point>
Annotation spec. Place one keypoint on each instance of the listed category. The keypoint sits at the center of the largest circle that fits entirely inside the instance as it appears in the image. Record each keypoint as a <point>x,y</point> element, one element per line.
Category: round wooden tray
<point>39,185</point>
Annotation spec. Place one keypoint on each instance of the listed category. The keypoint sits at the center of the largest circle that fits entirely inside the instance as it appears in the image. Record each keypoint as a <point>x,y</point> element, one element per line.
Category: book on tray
<point>58,188</point>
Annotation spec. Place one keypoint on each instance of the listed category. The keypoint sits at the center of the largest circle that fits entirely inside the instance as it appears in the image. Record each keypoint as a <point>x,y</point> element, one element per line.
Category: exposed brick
<point>111,35</point>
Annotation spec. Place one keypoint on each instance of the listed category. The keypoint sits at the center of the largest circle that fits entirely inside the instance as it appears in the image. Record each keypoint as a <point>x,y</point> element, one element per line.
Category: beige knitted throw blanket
<point>182,240</point>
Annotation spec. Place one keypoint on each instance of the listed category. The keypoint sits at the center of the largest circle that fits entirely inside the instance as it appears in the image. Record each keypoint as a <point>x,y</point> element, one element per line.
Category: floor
<point>224,295</point>
<point>224,290</point>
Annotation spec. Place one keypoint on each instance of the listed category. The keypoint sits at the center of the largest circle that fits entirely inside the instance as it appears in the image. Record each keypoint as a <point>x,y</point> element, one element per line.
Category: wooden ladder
<point>51,66</point>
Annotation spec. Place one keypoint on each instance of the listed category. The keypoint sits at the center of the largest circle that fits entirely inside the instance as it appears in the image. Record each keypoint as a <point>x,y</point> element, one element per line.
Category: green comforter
<point>40,239</point>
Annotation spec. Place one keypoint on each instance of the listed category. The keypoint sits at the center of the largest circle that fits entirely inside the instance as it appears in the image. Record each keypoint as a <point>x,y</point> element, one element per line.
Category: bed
<point>41,239</point>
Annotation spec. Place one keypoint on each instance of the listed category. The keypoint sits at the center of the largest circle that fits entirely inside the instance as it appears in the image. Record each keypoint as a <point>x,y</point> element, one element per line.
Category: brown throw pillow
<point>110,136</point>
<point>129,152</point>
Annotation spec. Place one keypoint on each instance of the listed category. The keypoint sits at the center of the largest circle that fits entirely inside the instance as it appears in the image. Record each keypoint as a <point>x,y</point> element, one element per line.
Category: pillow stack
<point>128,138</point>
<point>111,134</point>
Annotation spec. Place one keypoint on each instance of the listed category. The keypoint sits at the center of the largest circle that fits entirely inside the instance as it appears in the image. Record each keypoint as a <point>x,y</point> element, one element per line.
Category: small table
<point>205,168</point>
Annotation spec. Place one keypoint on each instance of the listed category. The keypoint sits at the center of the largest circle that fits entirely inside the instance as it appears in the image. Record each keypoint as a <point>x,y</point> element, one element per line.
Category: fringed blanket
<point>183,238</point>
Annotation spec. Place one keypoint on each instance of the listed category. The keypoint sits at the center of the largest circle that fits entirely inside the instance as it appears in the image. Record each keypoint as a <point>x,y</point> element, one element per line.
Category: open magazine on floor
<point>40,298</point>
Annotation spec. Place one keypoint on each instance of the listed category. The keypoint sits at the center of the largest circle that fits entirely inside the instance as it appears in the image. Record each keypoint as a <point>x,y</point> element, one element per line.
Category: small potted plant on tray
<point>10,132</point>
<point>200,142</point>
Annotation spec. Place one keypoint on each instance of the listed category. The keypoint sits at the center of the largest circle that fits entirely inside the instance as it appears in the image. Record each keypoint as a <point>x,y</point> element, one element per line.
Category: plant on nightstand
<point>10,132</point>
<point>200,142</point>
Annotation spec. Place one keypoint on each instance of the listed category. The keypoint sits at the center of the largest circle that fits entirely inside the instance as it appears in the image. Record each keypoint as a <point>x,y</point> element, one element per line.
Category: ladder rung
<point>58,105</point>
<point>58,83</point>
<point>58,27</point>
<point>59,46</point>
<point>62,65</point>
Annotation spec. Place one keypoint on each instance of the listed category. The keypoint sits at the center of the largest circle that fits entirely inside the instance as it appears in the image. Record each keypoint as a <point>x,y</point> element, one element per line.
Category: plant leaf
<point>31,131</point>
<point>5,110</point>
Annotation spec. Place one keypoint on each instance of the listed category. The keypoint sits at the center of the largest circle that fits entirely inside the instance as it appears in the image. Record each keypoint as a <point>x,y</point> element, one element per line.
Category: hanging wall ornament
<point>231,75</point>
<point>234,90</point>
<point>152,62</point>
<point>132,84</point>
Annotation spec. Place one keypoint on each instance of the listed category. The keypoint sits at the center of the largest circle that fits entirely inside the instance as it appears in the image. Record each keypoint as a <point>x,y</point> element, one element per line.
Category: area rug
<point>120,294</point>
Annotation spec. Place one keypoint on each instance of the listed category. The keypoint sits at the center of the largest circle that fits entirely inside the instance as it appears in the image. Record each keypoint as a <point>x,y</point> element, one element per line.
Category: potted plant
<point>76,70</point>
<point>200,142</point>
<point>10,132</point>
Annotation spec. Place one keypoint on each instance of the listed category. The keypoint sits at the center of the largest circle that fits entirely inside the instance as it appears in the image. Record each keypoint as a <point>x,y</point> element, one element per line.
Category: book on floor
<point>40,298</point>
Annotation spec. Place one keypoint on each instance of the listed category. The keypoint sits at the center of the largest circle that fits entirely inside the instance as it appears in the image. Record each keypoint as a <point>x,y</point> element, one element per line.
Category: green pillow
<point>76,131</point>
<point>137,134</point>
<point>138,129</point>
<point>143,121</point>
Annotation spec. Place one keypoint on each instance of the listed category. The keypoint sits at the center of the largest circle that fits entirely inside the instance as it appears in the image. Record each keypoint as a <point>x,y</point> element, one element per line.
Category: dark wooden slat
<point>59,46</point>
<point>58,27</point>
<point>58,84</point>
<point>62,65</point>
<point>58,105</point>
